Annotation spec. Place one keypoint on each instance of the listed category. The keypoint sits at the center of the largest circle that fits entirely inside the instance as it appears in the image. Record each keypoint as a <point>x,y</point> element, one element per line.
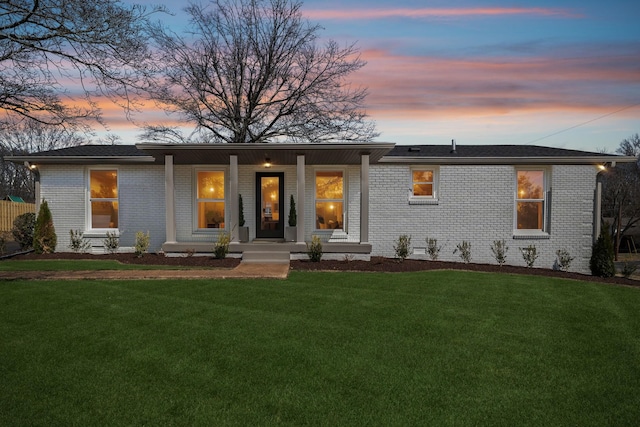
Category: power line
<point>584,123</point>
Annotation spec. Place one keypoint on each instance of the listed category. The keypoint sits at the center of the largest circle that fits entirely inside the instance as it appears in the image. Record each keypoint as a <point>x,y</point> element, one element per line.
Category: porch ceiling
<point>278,154</point>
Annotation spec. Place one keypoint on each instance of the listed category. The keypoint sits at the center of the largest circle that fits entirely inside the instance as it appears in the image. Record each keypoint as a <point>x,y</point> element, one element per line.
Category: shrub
<point>77,242</point>
<point>3,245</point>
<point>433,249</point>
<point>23,227</point>
<point>221,248</point>
<point>111,243</point>
<point>142,243</point>
<point>563,259</point>
<point>602,255</point>
<point>499,249</point>
<point>240,211</point>
<point>44,234</point>
<point>293,216</point>
<point>314,249</point>
<point>628,268</point>
<point>402,247</point>
<point>530,254</point>
<point>465,251</point>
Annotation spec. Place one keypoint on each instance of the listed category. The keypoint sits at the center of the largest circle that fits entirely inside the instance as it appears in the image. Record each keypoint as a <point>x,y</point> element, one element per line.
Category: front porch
<point>265,174</point>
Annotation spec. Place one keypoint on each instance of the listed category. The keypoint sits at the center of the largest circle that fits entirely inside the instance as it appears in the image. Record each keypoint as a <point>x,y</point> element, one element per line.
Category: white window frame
<point>343,200</point>
<point>196,200</point>
<point>532,233</point>
<point>89,211</point>
<point>424,200</point>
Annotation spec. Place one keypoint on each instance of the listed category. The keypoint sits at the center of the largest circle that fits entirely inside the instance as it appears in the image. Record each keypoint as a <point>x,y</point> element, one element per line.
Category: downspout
<point>597,208</point>
<point>36,178</point>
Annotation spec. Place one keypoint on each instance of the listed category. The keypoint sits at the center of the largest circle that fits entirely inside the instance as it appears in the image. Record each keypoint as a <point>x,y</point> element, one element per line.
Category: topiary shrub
<point>142,243</point>
<point>293,216</point>
<point>499,249</point>
<point>23,227</point>
<point>44,234</point>
<point>111,243</point>
<point>402,247</point>
<point>77,242</point>
<point>602,255</point>
<point>563,259</point>
<point>241,220</point>
<point>314,249</point>
<point>530,255</point>
<point>433,249</point>
<point>221,248</point>
<point>464,251</point>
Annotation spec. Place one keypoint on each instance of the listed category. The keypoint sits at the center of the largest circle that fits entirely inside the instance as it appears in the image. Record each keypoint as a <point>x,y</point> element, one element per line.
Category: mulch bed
<point>377,264</point>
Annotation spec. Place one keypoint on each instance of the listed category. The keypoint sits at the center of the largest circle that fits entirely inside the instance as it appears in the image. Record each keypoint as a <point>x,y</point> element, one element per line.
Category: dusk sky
<point>562,74</point>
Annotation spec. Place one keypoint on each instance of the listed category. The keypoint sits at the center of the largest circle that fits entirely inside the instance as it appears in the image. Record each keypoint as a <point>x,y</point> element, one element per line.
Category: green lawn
<point>431,348</point>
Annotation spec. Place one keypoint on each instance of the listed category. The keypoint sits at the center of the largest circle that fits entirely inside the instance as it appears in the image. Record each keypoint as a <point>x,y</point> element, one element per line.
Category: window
<point>329,199</point>
<point>210,199</point>
<point>103,187</point>
<point>424,184</point>
<point>530,200</point>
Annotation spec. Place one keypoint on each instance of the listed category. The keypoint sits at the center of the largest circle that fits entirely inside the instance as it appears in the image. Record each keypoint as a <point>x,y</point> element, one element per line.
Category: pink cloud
<point>408,86</point>
<point>366,14</point>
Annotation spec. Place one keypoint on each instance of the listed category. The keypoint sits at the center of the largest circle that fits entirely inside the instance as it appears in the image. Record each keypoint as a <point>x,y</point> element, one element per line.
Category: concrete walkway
<point>243,271</point>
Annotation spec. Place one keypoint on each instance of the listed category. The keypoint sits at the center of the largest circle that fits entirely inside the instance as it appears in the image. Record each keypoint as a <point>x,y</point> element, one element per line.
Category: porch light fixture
<point>602,167</point>
<point>267,162</point>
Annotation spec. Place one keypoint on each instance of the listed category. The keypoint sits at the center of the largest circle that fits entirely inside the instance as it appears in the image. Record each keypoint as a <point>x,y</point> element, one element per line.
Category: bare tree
<point>44,43</point>
<point>621,192</point>
<point>29,136</point>
<point>254,71</point>
<point>630,146</point>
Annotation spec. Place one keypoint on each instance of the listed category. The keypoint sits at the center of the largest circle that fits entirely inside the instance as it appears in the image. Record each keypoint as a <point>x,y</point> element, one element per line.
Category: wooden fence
<point>10,210</point>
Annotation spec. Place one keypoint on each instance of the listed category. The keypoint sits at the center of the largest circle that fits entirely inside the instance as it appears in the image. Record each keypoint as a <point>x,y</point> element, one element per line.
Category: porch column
<point>169,200</point>
<point>364,198</point>
<point>233,194</point>
<point>301,203</point>
<point>36,179</point>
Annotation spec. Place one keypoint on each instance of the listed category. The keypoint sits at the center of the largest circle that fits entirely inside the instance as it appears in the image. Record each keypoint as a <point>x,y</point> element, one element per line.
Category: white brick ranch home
<point>359,198</point>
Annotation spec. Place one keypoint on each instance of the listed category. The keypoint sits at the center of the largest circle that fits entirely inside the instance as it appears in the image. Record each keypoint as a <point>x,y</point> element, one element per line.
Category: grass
<point>79,265</point>
<point>430,348</point>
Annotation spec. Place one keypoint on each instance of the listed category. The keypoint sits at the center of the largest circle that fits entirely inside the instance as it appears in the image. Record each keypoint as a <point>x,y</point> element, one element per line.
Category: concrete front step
<point>266,257</point>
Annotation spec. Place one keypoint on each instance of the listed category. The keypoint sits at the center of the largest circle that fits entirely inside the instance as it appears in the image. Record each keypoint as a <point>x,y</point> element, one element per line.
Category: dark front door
<point>269,205</point>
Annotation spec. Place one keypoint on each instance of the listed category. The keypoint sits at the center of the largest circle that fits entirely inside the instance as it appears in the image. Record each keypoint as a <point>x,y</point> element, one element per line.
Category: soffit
<point>277,153</point>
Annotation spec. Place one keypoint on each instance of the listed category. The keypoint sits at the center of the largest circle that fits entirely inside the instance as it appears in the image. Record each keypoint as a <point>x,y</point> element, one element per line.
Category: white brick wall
<point>476,203</point>
<point>142,205</point>
<point>64,188</point>
<point>141,202</point>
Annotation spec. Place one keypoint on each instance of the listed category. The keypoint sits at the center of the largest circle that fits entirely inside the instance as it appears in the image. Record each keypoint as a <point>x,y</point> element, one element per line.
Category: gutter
<point>86,160</point>
<point>556,160</point>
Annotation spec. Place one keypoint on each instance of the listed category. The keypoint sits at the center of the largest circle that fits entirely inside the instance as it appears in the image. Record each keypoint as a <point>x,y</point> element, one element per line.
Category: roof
<point>278,153</point>
<point>496,154</point>
<point>318,154</point>
<point>87,154</point>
